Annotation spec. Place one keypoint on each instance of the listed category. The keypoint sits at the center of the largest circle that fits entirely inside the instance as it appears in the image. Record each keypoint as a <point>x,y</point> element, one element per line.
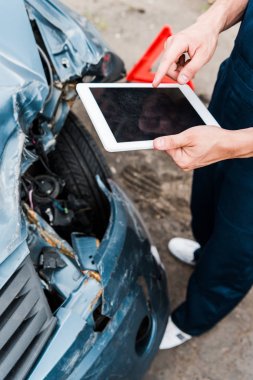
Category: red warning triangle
<point>142,70</point>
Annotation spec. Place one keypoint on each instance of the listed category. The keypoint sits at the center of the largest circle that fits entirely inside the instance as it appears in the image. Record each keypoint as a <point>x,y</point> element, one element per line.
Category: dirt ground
<point>129,26</point>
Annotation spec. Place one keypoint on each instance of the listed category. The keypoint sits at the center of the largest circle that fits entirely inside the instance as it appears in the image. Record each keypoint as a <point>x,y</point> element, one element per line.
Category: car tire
<point>77,160</point>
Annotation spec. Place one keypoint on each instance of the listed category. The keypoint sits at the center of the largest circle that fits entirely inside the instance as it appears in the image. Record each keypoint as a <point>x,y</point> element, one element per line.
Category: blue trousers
<point>222,204</point>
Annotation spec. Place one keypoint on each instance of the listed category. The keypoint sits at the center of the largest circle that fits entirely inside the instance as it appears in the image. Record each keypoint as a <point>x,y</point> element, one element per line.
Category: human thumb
<point>169,142</point>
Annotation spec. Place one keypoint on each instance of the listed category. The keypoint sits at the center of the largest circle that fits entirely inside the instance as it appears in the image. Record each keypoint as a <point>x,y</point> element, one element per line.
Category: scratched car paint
<point>82,290</point>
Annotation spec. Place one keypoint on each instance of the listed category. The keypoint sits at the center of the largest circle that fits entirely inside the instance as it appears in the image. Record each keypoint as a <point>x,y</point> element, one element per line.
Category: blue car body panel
<point>23,89</point>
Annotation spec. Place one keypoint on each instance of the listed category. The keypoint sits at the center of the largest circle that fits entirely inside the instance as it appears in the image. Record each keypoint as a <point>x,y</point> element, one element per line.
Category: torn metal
<point>73,43</point>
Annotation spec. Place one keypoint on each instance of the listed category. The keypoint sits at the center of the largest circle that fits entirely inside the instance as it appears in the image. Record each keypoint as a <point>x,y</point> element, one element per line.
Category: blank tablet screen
<point>138,114</point>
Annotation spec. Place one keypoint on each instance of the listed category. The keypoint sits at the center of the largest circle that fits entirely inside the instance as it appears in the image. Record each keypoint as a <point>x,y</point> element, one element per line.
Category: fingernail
<point>183,79</point>
<point>155,82</point>
<point>159,143</point>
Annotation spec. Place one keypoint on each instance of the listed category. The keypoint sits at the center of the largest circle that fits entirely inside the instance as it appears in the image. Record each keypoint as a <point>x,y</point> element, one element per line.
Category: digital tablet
<point>129,116</point>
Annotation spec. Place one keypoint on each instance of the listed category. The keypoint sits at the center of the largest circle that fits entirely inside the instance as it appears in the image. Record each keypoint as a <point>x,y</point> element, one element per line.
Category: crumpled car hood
<point>23,89</point>
<point>72,42</point>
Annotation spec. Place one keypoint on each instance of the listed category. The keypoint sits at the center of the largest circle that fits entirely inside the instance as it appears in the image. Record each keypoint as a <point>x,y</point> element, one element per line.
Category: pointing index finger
<point>171,55</point>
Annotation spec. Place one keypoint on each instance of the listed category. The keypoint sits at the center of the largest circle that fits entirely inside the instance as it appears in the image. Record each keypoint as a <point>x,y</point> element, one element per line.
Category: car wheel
<point>77,160</point>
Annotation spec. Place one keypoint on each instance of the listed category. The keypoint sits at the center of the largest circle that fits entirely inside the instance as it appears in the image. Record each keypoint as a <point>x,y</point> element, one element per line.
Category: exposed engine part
<point>42,191</point>
<point>45,188</point>
<point>50,255</point>
<point>48,233</point>
<point>62,215</point>
<point>42,138</point>
<point>50,215</point>
<point>50,259</point>
<point>55,260</point>
<point>66,212</point>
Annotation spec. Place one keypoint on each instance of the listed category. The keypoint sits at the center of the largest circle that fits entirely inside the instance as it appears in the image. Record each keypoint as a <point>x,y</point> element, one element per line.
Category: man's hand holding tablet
<point>199,146</point>
<point>130,116</point>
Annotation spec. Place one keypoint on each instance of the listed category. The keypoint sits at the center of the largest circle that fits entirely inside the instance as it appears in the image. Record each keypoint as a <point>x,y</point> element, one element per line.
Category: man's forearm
<point>240,143</point>
<point>223,14</point>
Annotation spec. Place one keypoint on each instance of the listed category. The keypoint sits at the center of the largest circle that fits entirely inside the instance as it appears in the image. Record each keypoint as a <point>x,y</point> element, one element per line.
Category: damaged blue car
<point>83,293</point>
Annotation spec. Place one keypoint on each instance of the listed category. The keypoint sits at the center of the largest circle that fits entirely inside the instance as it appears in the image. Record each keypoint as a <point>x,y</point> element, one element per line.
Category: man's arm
<point>224,13</point>
<point>204,145</point>
<point>199,41</point>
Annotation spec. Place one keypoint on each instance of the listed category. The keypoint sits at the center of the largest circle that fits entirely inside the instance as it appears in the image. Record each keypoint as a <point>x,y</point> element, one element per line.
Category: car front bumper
<point>131,296</point>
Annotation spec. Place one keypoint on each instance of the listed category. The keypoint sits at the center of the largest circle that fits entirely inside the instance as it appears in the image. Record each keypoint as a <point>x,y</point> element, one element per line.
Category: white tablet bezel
<point>103,130</point>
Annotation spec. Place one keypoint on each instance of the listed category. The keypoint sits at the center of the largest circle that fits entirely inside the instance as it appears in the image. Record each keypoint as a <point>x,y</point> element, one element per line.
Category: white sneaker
<point>173,336</point>
<point>183,249</point>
